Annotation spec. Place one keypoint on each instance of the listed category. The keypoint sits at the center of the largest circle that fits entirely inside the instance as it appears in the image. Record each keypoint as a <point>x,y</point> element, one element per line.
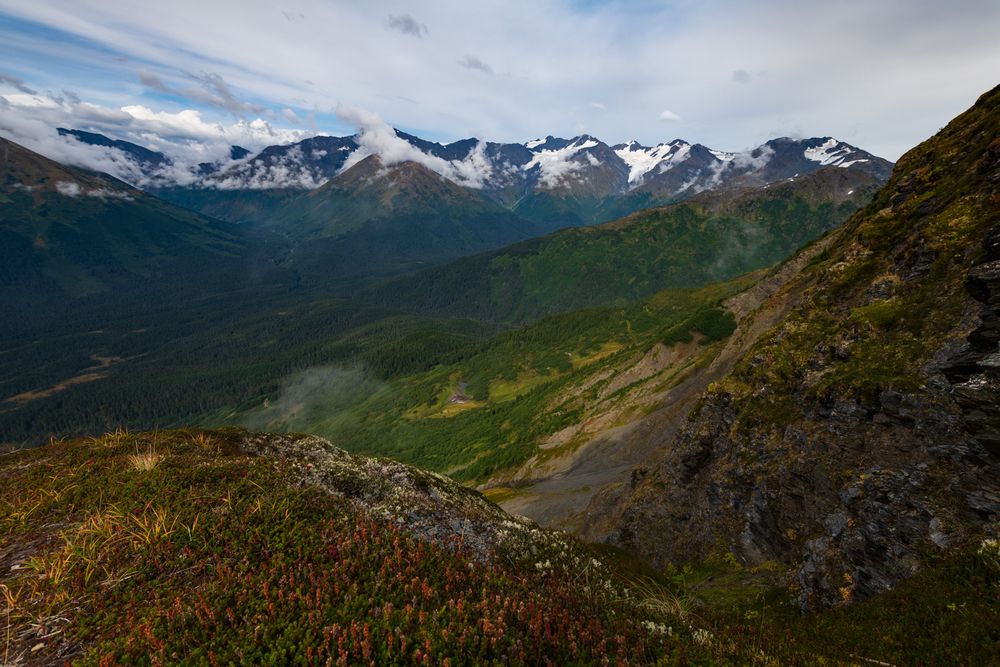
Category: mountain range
<point>553,182</point>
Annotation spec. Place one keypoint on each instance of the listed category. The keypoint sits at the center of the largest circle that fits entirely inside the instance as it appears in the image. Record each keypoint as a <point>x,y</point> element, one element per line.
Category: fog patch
<point>313,398</point>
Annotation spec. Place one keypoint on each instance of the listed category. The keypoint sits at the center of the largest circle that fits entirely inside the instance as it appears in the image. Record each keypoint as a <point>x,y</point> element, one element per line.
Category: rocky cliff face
<point>862,433</point>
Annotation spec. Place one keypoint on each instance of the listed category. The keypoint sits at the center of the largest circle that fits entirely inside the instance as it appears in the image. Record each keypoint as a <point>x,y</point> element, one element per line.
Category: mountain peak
<point>507,172</point>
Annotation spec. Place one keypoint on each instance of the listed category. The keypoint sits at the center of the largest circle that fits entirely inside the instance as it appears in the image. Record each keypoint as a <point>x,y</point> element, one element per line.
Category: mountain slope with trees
<point>709,238</point>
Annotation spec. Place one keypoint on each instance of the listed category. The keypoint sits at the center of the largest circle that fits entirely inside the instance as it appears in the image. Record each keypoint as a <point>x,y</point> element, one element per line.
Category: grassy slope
<point>215,555</point>
<point>490,407</point>
<point>875,317</point>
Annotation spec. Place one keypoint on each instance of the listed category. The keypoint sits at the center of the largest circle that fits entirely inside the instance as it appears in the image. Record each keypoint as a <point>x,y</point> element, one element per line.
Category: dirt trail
<point>561,498</point>
<point>86,375</point>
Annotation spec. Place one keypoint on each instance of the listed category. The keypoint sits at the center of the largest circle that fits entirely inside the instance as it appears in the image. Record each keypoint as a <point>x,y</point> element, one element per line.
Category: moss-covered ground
<point>179,547</point>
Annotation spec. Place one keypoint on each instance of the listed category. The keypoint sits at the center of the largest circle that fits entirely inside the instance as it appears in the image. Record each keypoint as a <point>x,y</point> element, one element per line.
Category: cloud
<point>73,189</point>
<point>40,136</point>
<point>669,116</point>
<point>291,116</point>
<point>472,62</point>
<point>69,189</point>
<point>93,113</point>
<point>317,394</point>
<point>211,90</point>
<point>186,137</point>
<point>218,94</point>
<point>154,82</point>
<point>752,160</point>
<point>407,25</point>
<point>288,171</point>
<point>599,106</point>
<point>375,137</point>
<point>555,166</point>
<point>16,82</point>
<point>741,76</point>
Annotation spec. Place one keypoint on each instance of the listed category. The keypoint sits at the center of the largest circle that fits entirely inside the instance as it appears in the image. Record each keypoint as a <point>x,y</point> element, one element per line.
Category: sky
<point>193,77</point>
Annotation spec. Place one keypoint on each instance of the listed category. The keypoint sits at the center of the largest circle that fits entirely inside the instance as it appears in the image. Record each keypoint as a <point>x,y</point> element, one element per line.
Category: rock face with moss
<point>859,436</point>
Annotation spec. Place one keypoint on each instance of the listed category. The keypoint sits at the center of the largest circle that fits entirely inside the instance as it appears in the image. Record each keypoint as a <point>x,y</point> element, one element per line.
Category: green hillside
<point>492,404</point>
<point>709,238</point>
<point>70,233</point>
<point>165,365</point>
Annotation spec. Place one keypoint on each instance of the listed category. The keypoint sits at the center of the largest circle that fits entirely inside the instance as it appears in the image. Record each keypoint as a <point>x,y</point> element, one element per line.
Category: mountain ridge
<point>75,232</point>
<point>857,437</point>
<point>577,181</point>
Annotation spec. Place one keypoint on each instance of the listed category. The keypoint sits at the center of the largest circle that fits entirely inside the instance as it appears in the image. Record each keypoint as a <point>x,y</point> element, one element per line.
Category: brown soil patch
<point>96,372</point>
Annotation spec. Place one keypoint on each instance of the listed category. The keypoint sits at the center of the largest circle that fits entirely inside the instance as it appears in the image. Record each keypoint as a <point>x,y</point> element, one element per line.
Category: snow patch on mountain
<point>556,165</point>
<point>832,152</point>
<point>642,160</point>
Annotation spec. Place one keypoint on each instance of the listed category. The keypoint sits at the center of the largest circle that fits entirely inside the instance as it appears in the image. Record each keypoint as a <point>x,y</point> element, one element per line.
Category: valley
<point>286,397</point>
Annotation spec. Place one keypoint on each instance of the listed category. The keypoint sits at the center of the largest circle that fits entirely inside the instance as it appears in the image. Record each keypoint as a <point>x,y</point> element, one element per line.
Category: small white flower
<point>701,636</point>
<point>658,628</point>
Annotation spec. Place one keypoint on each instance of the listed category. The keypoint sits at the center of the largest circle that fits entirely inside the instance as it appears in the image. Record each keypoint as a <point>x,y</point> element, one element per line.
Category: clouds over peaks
<point>376,137</point>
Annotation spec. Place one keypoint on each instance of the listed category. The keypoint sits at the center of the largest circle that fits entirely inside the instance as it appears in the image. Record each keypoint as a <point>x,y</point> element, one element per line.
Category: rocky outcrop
<point>861,433</point>
<point>427,505</point>
<point>975,371</point>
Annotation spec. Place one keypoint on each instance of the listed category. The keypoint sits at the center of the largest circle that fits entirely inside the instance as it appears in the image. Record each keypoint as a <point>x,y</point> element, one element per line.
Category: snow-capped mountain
<point>641,160</point>
<point>563,181</point>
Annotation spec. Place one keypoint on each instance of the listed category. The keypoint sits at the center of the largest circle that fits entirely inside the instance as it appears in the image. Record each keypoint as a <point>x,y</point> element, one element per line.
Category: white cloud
<point>290,171</point>
<point>68,188</point>
<point>74,189</point>
<point>184,136</point>
<point>40,136</point>
<point>600,106</point>
<point>746,160</point>
<point>375,137</point>
<point>555,166</point>
<point>669,116</point>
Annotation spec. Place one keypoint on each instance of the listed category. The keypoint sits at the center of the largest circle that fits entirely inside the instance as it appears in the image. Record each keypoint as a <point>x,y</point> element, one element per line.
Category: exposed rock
<point>429,505</point>
<point>863,431</point>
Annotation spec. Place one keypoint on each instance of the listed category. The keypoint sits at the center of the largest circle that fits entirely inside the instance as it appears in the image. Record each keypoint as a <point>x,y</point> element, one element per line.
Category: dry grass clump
<point>144,461</point>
